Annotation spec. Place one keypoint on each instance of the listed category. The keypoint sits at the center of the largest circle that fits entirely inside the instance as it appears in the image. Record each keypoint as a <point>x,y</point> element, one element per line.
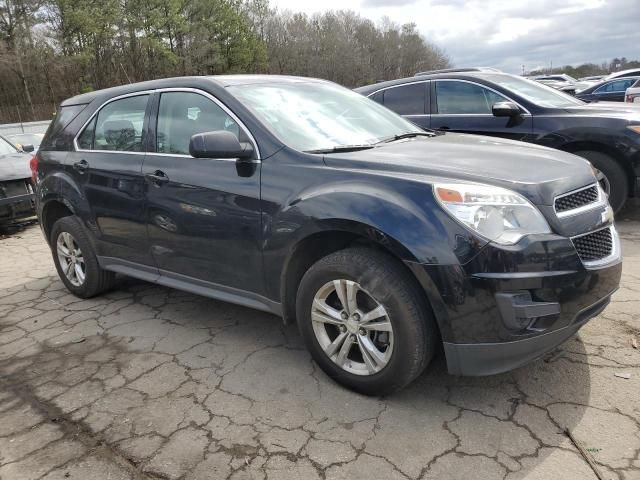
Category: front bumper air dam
<point>479,359</point>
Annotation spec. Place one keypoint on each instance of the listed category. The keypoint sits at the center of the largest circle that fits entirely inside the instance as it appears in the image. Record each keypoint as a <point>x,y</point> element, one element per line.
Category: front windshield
<point>6,147</point>
<point>535,92</point>
<point>312,116</point>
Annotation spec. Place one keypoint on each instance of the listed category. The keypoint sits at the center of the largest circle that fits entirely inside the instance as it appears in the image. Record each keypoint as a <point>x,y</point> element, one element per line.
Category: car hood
<point>626,111</point>
<point>538,173</point>
<point>14,166</point>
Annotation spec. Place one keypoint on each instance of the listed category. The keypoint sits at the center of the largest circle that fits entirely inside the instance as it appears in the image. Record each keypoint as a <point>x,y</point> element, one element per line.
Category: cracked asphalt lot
<point>148,382</point>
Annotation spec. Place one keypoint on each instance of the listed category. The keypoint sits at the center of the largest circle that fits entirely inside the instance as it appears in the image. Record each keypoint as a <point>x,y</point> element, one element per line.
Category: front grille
<point>577,199</point>
<point>594,246</point>
<point>13,188</point>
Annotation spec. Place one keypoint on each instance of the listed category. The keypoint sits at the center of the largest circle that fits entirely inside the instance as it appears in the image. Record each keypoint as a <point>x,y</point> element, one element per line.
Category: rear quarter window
<point>407,99</point>
<point>62,118</point>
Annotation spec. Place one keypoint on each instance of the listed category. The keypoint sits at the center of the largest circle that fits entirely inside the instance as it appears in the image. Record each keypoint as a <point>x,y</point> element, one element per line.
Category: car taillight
<point>33,165</point>
<point>633,98</point>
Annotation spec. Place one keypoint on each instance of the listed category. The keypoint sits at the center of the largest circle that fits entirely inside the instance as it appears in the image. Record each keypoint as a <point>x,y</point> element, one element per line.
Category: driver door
<point>466,107</point>
<point>203,214</point>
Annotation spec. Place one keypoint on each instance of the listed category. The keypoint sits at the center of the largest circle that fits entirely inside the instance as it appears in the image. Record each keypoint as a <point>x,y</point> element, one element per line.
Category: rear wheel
<point>76,261</point>
<point>365,321</point>
<point>611,177</point>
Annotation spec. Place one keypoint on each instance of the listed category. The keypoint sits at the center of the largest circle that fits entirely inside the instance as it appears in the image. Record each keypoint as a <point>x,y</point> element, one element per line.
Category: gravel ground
<point>148,382</point>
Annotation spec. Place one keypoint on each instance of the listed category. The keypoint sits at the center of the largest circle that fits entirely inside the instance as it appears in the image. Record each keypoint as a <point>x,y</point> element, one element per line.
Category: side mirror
<point>505,109</point>
<point>219,144</point>
<point>28,148</point>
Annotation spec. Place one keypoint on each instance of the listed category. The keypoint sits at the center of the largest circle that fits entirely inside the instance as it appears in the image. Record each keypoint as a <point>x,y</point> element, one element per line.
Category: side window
<point>465,98</point>
<point>117,127</point>
<point>184,114</point>
<point>615,86</point>
<point>406,100</point>
<point>378,97</point>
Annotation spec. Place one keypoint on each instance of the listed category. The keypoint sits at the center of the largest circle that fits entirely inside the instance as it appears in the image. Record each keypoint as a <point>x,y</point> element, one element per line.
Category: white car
<point>632,95</point>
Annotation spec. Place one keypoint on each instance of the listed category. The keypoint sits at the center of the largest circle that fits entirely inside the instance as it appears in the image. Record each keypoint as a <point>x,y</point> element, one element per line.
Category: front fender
<point>611,134</point>
<point>405,216</point>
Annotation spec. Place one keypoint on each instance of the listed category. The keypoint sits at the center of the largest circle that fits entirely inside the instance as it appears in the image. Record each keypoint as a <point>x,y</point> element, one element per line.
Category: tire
<point>71,233</point>
<point>380,280</point>
<point>614,176</point>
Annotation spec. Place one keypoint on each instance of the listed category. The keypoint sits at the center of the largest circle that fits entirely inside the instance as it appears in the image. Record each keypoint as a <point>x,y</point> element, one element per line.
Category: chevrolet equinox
<point>298,197</point>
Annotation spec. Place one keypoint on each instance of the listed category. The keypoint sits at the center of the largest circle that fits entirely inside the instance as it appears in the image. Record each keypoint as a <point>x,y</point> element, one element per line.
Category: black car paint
<point>596,126</point>
<point>266,211</point>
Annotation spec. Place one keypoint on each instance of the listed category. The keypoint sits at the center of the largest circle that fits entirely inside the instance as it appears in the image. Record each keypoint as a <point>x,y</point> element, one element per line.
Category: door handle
<point>81,166</point>
<point>158,177</point>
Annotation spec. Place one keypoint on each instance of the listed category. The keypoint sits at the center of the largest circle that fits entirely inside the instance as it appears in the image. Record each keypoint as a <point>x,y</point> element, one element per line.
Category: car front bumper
<point>477,359</point>
<point>17,208</point>
<point>507,308</point>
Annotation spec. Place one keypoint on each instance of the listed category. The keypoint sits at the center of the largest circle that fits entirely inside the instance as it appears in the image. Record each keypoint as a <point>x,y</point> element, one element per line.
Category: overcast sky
<point>509,33</point>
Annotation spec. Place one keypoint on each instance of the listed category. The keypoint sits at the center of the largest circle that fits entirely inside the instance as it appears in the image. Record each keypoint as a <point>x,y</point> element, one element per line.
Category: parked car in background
<point>632,72</point>
<point>459,70</point>
<point>632,94</point>
<point>592,78</point>
<point>16,191</point>
<point>306,200</point>
<point>26,142</point>
<point>509,106</point>
<point>608,90</point>
<point>563,82</point>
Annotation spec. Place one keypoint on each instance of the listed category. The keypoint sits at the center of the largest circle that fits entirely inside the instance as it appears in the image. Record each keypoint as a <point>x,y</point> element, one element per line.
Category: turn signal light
<point>447,195</point>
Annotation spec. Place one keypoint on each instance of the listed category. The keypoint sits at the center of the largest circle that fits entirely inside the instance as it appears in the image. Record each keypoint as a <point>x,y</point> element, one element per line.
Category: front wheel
<point>365,321</point>
<point>611,176</point>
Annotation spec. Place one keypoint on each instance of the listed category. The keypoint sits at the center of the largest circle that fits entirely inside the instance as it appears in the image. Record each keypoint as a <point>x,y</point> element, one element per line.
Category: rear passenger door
<point>466,107</point>
<point>107,165</point>
<point>409,100</point>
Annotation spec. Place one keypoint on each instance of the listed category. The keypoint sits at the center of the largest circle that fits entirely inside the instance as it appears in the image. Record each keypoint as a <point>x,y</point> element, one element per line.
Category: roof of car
<point>367,89</point>
<point>176,82</point>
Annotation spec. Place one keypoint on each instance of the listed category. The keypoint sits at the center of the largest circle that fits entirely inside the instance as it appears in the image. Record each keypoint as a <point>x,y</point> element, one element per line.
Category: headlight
<point>495,213</point>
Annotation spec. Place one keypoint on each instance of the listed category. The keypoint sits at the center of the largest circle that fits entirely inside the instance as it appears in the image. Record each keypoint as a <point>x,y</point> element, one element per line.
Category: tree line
<point>53,49</point>
<point>589,69</point>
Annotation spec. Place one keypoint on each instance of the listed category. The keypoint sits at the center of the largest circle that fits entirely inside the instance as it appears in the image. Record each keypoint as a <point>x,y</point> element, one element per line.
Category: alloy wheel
<point>353,329</point>
<point>71,259</point>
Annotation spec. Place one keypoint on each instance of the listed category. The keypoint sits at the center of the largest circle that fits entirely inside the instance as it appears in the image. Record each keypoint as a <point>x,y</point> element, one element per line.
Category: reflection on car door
<point>463,106</point>
<point>107,165</point>
<point>203,215</point>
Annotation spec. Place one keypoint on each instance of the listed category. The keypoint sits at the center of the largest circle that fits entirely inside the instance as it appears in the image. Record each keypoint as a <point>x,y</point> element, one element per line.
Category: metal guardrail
<point>25,127</point>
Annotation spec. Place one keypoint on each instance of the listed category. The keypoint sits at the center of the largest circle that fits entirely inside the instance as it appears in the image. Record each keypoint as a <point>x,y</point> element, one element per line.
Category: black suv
<point>503,105</point>
<point>304,199</point>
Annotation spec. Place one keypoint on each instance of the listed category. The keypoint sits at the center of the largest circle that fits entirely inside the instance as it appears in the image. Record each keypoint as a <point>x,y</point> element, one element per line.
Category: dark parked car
<point>607,91</point>
<point>16,191</point>
<point>304,199</point>
<point>512,107</point>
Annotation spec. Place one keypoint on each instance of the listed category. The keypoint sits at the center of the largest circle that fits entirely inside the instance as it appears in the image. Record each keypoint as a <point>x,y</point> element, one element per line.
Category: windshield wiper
<point>407,135</point>
<point>341,148</point>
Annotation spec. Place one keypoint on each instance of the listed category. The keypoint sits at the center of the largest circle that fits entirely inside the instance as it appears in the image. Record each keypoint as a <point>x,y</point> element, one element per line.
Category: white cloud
<point>512,28</point>
<point>509,33</point>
